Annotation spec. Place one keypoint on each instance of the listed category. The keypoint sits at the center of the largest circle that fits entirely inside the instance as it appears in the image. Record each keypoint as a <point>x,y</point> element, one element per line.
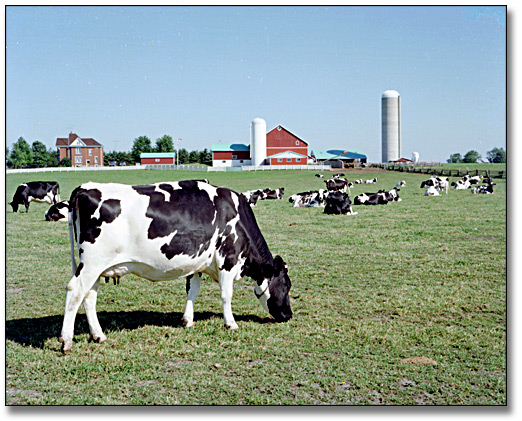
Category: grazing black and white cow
<point>379,198</point>
<point>338,203</point>
<point>165,231</point>
<point>36,191</point>
<point>483,189</point>
<point>439,183</point>
<point>313,198</point>
<point>336,184</point>
<point>58,212</point>
<point>274,194</point>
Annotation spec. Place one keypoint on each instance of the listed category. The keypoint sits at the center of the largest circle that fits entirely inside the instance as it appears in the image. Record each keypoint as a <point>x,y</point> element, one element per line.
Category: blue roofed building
<point>339,158</point>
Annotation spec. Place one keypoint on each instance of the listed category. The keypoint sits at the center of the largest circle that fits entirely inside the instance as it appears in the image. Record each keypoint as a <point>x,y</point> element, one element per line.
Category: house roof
<point>157,155</point>
<point>75,140</point>
<point>233,147</point>
<point>287,154</point>
<point>338,154</point>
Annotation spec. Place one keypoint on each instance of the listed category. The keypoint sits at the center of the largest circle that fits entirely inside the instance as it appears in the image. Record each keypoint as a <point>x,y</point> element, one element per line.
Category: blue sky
<point>203,73</point>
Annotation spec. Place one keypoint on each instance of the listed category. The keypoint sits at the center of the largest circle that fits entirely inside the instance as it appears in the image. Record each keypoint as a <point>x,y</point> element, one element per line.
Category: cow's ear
<point>279,264</point>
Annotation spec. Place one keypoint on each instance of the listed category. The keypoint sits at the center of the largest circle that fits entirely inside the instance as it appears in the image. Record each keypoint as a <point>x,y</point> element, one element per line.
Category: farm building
<point>83,152</point>
<point>158,158</point>
<point>277,147</point>
<point>339,158</point>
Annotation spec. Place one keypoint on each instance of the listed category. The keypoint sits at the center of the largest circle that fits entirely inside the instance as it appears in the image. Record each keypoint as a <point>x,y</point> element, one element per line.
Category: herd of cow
<point>168,230</point>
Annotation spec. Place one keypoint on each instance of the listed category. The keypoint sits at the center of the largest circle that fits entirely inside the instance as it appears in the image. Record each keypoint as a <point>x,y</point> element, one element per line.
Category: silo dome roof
<point>258,121</point>
<point>390,94</point>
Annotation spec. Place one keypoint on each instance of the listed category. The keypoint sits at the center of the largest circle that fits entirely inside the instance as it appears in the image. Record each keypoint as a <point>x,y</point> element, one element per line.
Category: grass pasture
<point>402,304</point>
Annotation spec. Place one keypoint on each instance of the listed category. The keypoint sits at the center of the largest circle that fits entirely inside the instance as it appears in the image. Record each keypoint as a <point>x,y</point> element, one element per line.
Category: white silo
<point>391,126</point>
<point>415,157</point>
<point>257,141</point>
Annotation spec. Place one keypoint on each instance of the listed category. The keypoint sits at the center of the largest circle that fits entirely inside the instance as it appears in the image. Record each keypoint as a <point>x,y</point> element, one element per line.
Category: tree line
<point>23,155</point>
<point>495,155</point>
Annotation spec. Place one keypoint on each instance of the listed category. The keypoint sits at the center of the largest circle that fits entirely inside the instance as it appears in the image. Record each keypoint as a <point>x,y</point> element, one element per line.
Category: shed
<point>230,155</point>
<point>158,158</point>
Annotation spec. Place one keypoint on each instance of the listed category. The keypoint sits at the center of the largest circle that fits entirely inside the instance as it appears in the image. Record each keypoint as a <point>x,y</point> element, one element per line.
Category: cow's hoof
<point>66,345</point>
<point>97,339</point>
<point>232,326</point>
<point>186,322</point>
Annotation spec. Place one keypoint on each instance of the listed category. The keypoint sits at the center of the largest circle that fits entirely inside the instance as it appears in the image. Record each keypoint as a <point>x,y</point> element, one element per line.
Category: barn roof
<point>233,147</point>
<point>287,154</point>
<point>157,155</point>
<point>338,153</point>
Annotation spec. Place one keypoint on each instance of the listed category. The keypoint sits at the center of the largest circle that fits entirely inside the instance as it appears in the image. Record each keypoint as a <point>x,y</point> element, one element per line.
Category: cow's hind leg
<point>193,286</point>
<point>89,304</point>
<point>77,289</point>
<point>226,283</point>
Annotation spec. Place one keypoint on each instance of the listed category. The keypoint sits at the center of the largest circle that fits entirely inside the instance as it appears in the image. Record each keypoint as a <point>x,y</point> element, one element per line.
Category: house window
<point>288,159</point>
<point>90,152</point>
<point>298,160</point>
<point>78,160</point>
<point>157,160</point>
<point>223,162</point>
<point>297,143</point>
<point>79,151</point>
<point>279,159</point>
<point>234,156</point>
<point>241,161</point>
<point>95,159</point>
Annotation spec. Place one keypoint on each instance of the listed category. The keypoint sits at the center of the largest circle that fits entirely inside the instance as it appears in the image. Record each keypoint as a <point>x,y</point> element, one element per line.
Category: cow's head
<point>273,292</point>
<point>14,206</point>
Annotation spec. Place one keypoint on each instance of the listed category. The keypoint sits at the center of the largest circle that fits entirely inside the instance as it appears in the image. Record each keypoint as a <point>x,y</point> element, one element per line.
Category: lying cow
<point>165,231</point>
<point>336,184</point>
<point>484,189</point>
<point>253,196</point>
<point>439,183</point>
<point>401,184</point>
<point>393,195</point>
<point>359,181</point>
<point>379,198</point>
<point>431,191</point>
<point>319,176</point>
<point>461,184</point>
<point>274,194</point>
<point>372,181</point>
<point>313,198</point>
<point>58,212</point>
<point>36,191</point>
<point>338,203</point>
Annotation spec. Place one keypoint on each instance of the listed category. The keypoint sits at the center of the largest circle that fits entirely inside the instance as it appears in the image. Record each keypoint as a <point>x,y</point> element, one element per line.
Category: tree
<point>141,145</point>
<point>21,155</point>
<point>497,155</point>
<point>193,157</point>
<point>164,144</point>
<point>471,157</point>
<point>53,157</point>
<point>40,154</point>
<point>183,156</point>
<point>205,157</point>
<point>65,162</point>
<point>455,158</point>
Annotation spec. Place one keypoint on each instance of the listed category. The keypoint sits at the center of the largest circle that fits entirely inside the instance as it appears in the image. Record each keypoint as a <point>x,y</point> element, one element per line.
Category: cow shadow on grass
<point>34,332</point>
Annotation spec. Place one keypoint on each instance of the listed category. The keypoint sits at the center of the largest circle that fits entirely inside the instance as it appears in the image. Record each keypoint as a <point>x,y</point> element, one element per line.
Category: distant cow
<point>401,184</point>
<point>439,183</point>
<point>165,231</point>
<point>58,212</point>
<point>336,184</point>
<point>359,181</point>
<point>461,184</point>
<point>313,198</point>
<point>338,203</point>
<point>372,181</point>
<point>431,191</point>
<point>253,196</point>
<point>36,191</point>
<point>319,176</point>
<point>393,195</point>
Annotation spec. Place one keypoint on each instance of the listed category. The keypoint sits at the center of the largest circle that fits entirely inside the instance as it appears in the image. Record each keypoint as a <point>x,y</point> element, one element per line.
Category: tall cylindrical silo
<point>257,141</point>
<point>391,126</point>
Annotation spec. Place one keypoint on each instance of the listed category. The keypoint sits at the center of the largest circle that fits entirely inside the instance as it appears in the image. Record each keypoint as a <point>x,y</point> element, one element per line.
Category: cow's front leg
<point>89,304</point>
<point>226,283</point>
<point>193,286</point>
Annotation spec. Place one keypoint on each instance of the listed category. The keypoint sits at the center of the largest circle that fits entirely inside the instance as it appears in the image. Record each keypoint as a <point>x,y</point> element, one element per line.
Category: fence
<point>438,170</point>
<point>200,168</point>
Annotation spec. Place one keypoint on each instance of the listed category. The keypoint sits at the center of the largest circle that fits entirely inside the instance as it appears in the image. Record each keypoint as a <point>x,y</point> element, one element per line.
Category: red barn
<point>158,158</point>
<point>280,140</point>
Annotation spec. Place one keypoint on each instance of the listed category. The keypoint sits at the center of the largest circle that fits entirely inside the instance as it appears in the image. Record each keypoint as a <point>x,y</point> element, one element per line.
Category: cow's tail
<point>71,238</point>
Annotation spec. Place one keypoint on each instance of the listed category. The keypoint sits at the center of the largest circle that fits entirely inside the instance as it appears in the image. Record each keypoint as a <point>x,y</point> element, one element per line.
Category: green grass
<point>425,277</point>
